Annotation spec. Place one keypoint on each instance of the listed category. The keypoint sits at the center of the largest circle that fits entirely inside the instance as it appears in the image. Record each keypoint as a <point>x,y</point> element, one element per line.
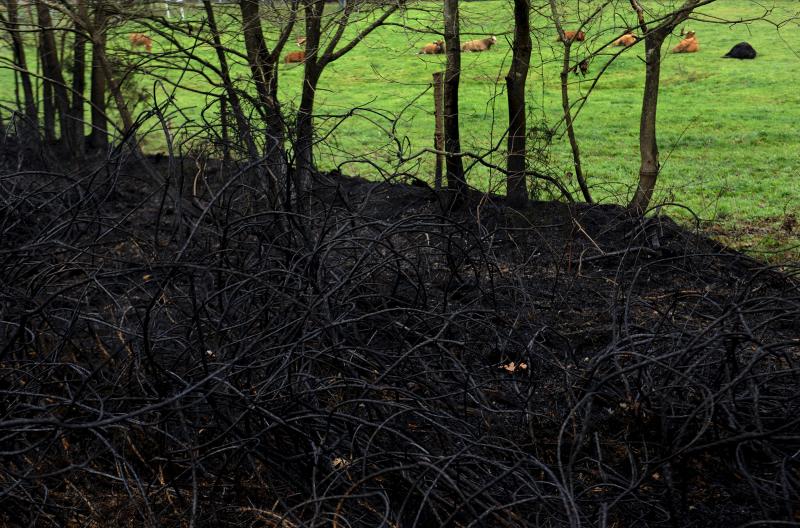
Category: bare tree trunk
<point>263,65</point>
<point>98,137</point>
<point>648,145</point>
<point>315,62</point>
<point>452,141</point>
<point>232,95</point>
<point>305,129</point>
<point>48,111</point>
<point>264,69</point>
<point>51,68</point>
<point>114,87</point>
<point>566,107</point>
<point>20,61</point>
<point>517,192</point>
<point>312,72</point>
<point>573,140</point>
<point>76,118</point>
<point>438,134</point>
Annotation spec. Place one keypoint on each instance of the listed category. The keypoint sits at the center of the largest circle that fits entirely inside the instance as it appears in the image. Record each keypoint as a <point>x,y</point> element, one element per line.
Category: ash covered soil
<point>176,351</point>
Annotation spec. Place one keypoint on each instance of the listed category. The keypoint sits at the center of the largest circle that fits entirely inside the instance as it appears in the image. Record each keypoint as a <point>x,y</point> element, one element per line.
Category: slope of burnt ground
<point>172,352</point>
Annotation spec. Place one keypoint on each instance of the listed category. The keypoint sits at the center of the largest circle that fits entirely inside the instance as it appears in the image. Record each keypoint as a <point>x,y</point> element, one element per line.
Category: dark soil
<point>175,352</point>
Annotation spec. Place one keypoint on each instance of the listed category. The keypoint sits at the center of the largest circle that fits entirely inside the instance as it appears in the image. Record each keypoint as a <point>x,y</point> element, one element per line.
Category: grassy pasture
<point>727,128</point>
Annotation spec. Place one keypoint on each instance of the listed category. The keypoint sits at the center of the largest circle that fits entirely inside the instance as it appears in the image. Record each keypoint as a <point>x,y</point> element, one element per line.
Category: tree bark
<point>98,137</point>
<point>315,62</point>
<point>648,145</point>
<point>242,125</point>
<point>51,68</point>
<point>264,70</point>
<point>565,104</point>
<point>452,141</point>
<point>517,192</point>
<point>48,111</point>
<point>76,118</point>
<point>116,91</point>
<point>312,72</point>
<point>20,61</point>
<point>438,134</point>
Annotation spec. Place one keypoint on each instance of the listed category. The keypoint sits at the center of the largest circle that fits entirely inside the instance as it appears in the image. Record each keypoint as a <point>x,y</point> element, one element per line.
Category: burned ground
<point>175,353</point>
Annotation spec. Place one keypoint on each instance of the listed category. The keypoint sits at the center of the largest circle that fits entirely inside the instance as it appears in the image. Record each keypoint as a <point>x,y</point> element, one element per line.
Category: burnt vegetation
<point>224,335</point>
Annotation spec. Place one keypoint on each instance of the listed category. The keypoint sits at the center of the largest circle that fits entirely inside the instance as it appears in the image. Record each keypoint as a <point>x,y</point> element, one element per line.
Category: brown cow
<point>688,45</point>
<point>480,44</point>
<point>140,39</point>
<point>572,35</point>
<point>434,48</point>
<point>627,40</point>
<point>295,56</point>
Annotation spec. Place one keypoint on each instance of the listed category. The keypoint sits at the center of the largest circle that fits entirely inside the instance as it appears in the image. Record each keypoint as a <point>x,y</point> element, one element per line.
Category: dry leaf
<point>340,463</point>
<point>512,367</point>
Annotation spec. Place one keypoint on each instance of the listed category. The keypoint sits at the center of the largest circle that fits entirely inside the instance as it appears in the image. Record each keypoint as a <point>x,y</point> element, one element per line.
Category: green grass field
<point>727,129</point>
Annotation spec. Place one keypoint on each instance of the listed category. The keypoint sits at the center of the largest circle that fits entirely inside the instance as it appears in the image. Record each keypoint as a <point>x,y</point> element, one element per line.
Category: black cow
<point>742,50</point>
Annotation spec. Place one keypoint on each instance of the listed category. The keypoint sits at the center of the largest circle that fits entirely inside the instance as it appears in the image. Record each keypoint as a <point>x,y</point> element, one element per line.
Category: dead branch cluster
<point>372,362</point>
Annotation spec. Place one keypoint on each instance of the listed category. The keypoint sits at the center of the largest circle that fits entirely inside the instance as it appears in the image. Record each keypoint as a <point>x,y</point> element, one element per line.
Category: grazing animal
<point>300,41</point>
<point>688,45</point>
<point>627,40</point>
<point>295,56</point>
<point>742,50</point>
<point>582,67</point>
<point>140,39</point>
<point>572,35</point>
<point>480,44</point>
<point>434,48</point>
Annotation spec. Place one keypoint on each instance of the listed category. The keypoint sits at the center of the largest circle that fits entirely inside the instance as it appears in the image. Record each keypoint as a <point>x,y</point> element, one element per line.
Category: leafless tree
<point>264,70</point>
<point>452,142</point>
<point>54,81</point>
<point>318,55</point>
<point>566,106</point>
<point>517,124</point>
<point>12,25</point>
<point>654,33</point>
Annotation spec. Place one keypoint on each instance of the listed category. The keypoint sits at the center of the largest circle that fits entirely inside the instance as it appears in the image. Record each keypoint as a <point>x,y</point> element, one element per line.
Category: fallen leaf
<point>512,367</point>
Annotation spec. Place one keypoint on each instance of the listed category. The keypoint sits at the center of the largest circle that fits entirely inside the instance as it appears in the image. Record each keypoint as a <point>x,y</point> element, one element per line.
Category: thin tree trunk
<point>116,91</point>
<point>566,107</point>
<point>315,62</point>
<point>232,96</point>
<point>305,130</point>
<point>258,55</point>
<point>98,137</point>
<point>264,69</point>
<point>452,141</point>
<point>648,145</point>
<point>20,61</point>
<point>49,111</point>
<point>76,117</point>
<point>311,75</point>
<point>438,134</point>
<point>573,140</point>
<point>52,71</point>
<point>517,192</point>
